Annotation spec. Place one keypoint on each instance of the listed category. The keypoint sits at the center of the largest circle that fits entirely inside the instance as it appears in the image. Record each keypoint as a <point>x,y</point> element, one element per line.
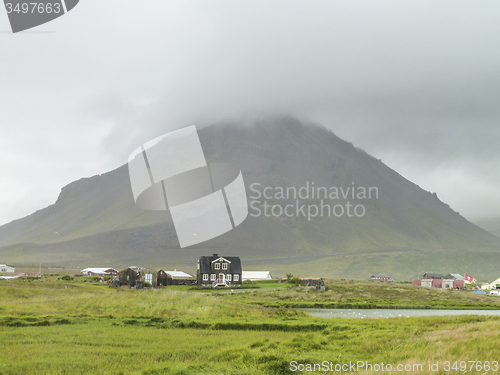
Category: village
<point>226,271</point>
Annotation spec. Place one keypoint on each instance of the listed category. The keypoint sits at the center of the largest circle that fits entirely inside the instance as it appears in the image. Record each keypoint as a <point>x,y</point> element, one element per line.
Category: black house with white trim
<point>217,270</point>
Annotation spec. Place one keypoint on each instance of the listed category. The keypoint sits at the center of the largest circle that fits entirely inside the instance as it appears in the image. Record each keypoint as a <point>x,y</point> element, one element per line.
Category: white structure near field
<point>256,275</point>
<point>6,269</point>
<point>491,286</point>
<point>99,272</point>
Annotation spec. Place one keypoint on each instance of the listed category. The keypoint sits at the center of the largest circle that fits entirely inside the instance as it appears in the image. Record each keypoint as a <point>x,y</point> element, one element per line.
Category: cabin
<point>147,276</point>
<point>6,269</point>
<point>128,276</point>
<point>218,270</point>
<point>163,278</point>
<point>99,272</point>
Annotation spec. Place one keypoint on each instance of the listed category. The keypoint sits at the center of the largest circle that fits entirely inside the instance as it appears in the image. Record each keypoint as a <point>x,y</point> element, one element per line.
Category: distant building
<point>178,274</point>
<point>256,275</point>
<point>216,271</point>
<point>432,275</point>
<point>6,269</point>
<point>454,276</point>
<point>494,285</point>
<point>99,272</point>
<point>381,277</point>
<point>439,283</point>
<point>128,276</point>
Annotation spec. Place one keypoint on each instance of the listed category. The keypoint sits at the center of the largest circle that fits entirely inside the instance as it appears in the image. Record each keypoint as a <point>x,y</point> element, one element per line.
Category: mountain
<point>400,229</point>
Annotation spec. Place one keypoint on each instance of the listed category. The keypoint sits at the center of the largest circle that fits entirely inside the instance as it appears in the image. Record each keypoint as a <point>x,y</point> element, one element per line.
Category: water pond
<point>391,313</point>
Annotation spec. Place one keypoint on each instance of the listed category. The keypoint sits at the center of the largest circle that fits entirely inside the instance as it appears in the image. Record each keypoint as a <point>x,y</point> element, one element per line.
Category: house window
<point>212,277</point>
<point>205,277</point>
<point>217,266</point>
<point>236,277</point>
<point>228,277</point>
<point>224,266</point>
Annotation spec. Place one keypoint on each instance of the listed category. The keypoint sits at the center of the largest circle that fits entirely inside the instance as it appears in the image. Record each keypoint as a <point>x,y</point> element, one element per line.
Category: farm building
<point>439,283</point>
<point>99,272</point>
<point>128,276</point>
<point>256,275</point>
<point>6,269</point>
<point>216,271</point>
<point>147,276</point>
<point>163,278</point>
<point>381,277</point>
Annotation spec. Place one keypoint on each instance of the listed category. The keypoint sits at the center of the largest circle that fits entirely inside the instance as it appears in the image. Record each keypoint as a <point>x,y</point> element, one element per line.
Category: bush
<point>66,278</point>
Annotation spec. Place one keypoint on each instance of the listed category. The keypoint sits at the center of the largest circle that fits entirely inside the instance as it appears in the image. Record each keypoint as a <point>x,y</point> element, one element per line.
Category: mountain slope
<point>405,230</point>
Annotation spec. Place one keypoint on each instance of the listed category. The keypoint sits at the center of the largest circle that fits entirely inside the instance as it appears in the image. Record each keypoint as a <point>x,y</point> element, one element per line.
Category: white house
<point>256,275</point>
<point>6,269</point>
<point>99,272</point>
<point>491,286</point>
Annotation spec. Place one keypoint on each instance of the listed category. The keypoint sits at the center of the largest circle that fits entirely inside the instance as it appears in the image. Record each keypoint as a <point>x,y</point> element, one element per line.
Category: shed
<point>437,283</point>
<point>149,276</point>
<point>163,278</point>
<point>256,275</point>
<point>458,284</point>
<point>128,276</point>
<point>426,283</point>
<point>447,284</point>
<point>417,282</point>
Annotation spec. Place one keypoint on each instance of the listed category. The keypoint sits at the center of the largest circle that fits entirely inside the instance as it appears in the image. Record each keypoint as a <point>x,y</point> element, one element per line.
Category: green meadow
<point>71,327</point>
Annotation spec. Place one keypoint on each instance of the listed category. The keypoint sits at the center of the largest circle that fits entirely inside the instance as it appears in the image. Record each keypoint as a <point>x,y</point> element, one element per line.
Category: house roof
<point>4,265</point>
<point>256,275</point>
<point>381,276</point>
<point>98,270</point>
<point>435,275</point>
<point>176,273</point>
<point>206,263</point>
<point>456,276</point>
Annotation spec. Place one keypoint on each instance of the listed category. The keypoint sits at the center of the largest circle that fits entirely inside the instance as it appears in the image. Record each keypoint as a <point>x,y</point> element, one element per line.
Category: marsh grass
<point>77,328</point>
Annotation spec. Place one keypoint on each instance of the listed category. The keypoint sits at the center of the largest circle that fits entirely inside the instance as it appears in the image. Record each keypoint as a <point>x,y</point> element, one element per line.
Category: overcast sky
<point>414,83</point>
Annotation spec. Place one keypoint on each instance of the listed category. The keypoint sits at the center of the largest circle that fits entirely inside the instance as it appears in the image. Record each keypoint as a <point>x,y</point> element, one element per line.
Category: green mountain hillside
<point>404,230</point>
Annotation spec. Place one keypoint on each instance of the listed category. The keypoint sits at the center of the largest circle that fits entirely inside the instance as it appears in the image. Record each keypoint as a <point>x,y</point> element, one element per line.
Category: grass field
<point>55,327</point>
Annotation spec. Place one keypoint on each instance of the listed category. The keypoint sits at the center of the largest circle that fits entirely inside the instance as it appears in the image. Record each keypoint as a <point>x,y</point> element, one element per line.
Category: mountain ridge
<point>95,220</point>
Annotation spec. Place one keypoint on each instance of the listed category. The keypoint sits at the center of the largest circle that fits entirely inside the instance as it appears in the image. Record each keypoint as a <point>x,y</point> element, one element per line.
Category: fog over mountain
<point>397,227</point>
<point>415,83</point>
